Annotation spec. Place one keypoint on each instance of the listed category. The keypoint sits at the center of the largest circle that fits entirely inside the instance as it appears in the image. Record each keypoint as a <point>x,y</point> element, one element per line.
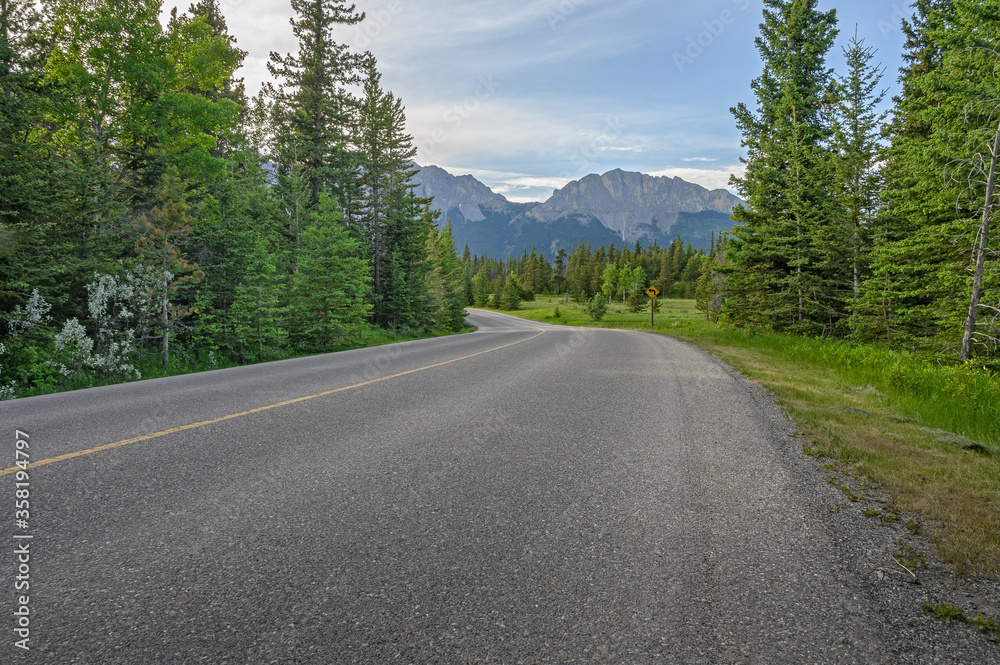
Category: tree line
<point>612,273</point>
<point>863,223</point>
<point>152,212</point>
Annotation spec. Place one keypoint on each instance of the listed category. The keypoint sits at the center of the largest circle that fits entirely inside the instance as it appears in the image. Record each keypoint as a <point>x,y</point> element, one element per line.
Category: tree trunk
<point>165,313</point>
<point>984,239</point>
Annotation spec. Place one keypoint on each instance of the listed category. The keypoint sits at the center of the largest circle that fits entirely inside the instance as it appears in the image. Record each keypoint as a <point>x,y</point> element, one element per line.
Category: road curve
<point>526,493</point>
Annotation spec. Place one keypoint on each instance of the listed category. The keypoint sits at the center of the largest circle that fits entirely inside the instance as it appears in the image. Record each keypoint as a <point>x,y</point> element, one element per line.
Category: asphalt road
<point>522,494</point>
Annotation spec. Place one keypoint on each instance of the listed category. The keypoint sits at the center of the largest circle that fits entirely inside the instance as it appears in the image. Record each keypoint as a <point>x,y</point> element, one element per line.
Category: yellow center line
<point>183,428</point>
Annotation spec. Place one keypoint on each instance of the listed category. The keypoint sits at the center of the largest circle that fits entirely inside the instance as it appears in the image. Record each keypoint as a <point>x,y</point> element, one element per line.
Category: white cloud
<point>535,182</point>
<point>455,132</point>
<point>709,178</point>
<point>578,86</point>
<point>481,174</point>
<point>511,181</point>
<point>516,187</point>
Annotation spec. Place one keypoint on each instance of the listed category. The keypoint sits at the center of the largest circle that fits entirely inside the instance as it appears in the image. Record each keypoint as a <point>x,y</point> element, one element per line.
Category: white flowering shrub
<point>123,306</point>
<point>73,349</point>
<point>8,391</point>
<point>28,347</point>
<point>115,358</point>
<point>123,302</point>
<point>22,322</point>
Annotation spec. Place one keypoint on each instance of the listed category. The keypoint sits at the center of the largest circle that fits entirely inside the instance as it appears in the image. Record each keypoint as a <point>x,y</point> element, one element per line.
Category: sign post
<point>653,294</point>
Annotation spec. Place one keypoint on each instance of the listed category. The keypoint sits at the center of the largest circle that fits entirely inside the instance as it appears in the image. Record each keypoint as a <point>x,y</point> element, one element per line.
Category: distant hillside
<point>618,207</point>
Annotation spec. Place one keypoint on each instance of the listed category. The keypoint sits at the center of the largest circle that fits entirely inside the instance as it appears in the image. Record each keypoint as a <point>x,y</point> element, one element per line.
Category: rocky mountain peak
<point>464,193</point>
<point>617,207</point>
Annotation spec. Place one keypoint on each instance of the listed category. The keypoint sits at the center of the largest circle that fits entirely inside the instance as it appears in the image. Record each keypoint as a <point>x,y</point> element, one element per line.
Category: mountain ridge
<point>620,207</point>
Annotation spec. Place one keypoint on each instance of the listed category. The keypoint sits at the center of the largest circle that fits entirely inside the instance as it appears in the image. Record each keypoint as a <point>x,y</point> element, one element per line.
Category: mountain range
<point>619,207</point>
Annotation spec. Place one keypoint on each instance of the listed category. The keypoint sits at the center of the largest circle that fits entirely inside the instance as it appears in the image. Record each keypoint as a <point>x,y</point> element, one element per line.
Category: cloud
<point>481,174</point>
<point>709,178</point>
<point>514,186</point>
<point>537,182</point>
<point>510,129</point>
<point>573,86</point>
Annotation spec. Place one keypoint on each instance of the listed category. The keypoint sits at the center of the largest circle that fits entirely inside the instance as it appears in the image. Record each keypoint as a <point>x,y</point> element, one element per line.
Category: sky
<point>528,95</point>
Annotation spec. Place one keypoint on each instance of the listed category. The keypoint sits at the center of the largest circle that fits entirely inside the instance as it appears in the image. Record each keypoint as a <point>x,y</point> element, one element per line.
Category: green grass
<point>672,314</point>
<point>927,433</point>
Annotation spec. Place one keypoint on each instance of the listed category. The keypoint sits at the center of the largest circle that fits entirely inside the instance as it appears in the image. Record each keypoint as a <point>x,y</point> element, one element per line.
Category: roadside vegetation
<point>50,380</point>
<point>157,218</point>
<point>927,433</point>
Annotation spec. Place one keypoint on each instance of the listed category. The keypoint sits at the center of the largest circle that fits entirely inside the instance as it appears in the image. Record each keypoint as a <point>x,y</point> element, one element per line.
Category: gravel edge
<point>868,544</point>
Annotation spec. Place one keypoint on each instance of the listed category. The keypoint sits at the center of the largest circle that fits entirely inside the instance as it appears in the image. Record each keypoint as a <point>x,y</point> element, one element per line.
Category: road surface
<point>523,494</point>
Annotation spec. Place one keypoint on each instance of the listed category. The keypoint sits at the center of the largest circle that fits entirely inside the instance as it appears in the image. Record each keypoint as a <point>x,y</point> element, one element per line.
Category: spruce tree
<point>778,274</point>
<point>166,231</point>
<point>895,305</point>
<point>975,62</point>
<point>945,123</point>
<point>447,285</point>
<point>329,292</point>
<point>857,157</point>
<point>559,270</point>
<point>311,105</point>
<point>26,235</point>
<point>389,215</point>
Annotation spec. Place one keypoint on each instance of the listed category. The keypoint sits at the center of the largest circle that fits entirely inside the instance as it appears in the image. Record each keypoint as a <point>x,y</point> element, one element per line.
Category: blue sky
<point>527,95</point>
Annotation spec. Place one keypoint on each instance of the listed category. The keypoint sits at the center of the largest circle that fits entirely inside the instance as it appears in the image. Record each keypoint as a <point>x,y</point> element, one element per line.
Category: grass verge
<point>928,434</point>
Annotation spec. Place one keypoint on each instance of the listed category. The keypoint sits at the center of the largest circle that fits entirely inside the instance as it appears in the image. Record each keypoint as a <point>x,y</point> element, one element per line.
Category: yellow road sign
<point>653,292</point>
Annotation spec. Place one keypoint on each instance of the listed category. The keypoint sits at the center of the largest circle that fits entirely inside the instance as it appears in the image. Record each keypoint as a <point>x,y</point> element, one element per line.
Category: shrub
<point>597,307</point>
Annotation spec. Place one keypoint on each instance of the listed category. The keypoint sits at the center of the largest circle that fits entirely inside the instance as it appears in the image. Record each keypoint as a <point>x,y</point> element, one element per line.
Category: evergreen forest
<point>154,218</point>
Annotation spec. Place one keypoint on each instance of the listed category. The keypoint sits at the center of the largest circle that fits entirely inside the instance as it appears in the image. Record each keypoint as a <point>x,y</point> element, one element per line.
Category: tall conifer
<point>312,107</point>
<point>778,273</point>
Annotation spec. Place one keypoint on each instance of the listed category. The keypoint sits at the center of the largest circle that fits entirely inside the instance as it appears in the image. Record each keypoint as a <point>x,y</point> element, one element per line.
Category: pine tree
<point>26,236</point>
<point>467,272</point>
<point>924,256</point>
<point>254,315</point>
<point>447,286</point>
<point>977,51</point>
<point>709,289</point>
<point>510,296</point>
<point>579,272</point>
<point>559,270</point>
<point>20,109</point>
<point>482,287</point>
<point>329,292</point>
<point>389,215</point>
<point>776,272</point>
<point>858,153</point>
<point>167,228</point>
<point>311,105</point>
